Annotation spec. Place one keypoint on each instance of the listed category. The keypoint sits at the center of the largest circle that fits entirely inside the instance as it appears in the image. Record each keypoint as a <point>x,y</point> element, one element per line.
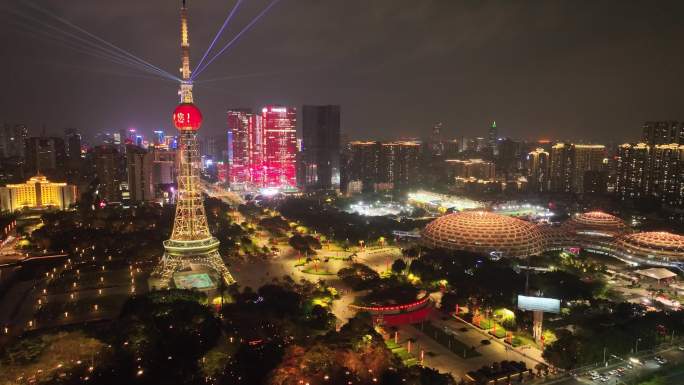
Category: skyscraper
<point>632,179</point>
<point>587,159</point>
<point>399,164</point>
<point>279,125</point>
<point>667,174</point>
<point>560,168</point>
<point>139,174</point>
<point>492,137</point>
<point>538,170</point>
<point>12,140</point>
<point>73,144</point>
<point>362,163</point>
<point>46,156</point>
<point>320,156</point>
<point>244,142</point>
<point>110,172</point>
<point>436,142</point>
<point>570,163</point>
<point>664,132</point>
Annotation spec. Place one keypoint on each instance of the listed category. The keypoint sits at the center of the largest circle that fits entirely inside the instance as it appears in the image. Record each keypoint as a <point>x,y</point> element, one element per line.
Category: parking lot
<point>626,370</point>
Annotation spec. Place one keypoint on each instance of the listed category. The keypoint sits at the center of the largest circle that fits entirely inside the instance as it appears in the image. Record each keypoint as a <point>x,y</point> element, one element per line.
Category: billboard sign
<point>547,305</point>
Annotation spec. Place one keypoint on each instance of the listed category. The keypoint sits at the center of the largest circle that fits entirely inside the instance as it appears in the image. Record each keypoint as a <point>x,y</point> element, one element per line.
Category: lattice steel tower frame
<point>191,243</point>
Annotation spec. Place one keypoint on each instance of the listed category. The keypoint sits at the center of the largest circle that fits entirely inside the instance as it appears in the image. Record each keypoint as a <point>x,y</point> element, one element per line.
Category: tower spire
<point>191,246</point>
<point>186,83</point>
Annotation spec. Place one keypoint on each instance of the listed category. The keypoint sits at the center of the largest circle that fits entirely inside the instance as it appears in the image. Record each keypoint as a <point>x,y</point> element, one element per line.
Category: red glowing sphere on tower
<point>187,117</point>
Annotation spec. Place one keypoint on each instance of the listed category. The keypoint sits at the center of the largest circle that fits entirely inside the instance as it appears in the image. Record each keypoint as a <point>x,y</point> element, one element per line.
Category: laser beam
<point>198,71</point>
<point>219,33</point>
<point>103,41</point>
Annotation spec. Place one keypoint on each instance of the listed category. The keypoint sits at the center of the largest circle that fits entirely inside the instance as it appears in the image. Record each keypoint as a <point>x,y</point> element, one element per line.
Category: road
<point>648,365</point>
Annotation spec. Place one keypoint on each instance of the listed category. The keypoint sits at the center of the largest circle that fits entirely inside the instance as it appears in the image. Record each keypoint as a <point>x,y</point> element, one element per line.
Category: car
<point>486,342</point>
<point>629,366</point>
<point>681,348</point>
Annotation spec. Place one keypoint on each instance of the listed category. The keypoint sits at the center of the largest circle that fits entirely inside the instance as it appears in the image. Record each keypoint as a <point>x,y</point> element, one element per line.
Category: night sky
<point>592,70</point>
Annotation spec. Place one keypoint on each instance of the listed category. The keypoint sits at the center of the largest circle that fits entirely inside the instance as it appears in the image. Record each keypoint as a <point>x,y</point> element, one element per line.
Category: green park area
<point>401,352</point>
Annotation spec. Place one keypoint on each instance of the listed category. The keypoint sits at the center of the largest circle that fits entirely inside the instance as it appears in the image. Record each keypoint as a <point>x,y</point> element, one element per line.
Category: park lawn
<point>391,344</point>
<point>498,332</point>
<point>485,323</point>
<point>337,257</point>
<point>402,353</point>
<point>317,272</point>
<point>524,339</point>
<point>410,362</point>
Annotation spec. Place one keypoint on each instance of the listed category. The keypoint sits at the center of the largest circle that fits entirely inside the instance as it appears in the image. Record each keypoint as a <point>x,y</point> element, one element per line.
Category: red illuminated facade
<point>279,126</point>
<point>244,147</point>
<point>263,148</point>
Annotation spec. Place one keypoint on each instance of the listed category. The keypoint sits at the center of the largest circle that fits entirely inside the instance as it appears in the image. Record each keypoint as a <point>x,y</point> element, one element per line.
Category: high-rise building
<point>110,172</point>
<point>12,140</point>
<point>320,155</point>
<point>478,169</point>
<point>215,148</point>
<point>492,136</point>
<point>570,162</point>
<point>510,157</point>
<point>538,162</point>
<point>664,132</point>
<point>159,138</point>
<point>452,148</point>
<point>436,142</point>
<point>279,126</point>
<point>587,158</point>
<point>245,143</point>
<point>362,164</point>
<point>399,164</point>
<point>561,168</point>
<point>381,166</point>
<point>46,156</point>
<point>73,143</point>
<point>139,173</point>
<point>631,175</point>
<point>667,174</point>
<point>163,166</point>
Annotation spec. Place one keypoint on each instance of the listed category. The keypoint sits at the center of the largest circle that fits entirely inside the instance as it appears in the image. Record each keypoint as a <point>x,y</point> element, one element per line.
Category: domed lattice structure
<point>597,222</point>
<point>484,232</point>
<point>653,245</point>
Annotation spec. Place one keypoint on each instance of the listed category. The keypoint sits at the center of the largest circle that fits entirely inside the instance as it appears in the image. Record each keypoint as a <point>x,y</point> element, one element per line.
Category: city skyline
<point>588,91</point>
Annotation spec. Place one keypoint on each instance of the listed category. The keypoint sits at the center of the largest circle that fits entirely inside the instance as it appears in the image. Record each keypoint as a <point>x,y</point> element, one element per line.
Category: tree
<point>398,266</point>
<point>565,352</point>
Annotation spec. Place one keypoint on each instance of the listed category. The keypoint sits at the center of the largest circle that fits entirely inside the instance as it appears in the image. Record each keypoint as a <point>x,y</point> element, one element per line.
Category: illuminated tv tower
<point>191,247</point>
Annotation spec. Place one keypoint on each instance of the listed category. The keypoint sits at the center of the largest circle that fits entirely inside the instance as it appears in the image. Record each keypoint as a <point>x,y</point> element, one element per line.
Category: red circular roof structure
<point>187,117</point>
<point>596,221</point>
<point>484,232</point>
